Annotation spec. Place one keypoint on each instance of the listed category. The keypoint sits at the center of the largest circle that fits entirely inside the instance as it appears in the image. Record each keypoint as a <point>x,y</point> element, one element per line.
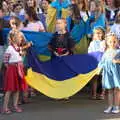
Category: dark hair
<point>117,19</point>
<point>85,6</point>
<point>116,3</point>
<point>98,3</point>
<point>30,11</point>
<point>26,5</point>
<point>75,11</point>
<point>15,6</point>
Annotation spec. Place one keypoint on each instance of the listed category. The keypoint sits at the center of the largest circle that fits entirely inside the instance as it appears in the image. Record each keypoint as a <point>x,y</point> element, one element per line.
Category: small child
<point>3,24</point>
<point>14,80</point>
<point>62,43</point>
<point>97,45</point>
<point>16,25</point>
<point>116,27</point>
<point>110,72</point>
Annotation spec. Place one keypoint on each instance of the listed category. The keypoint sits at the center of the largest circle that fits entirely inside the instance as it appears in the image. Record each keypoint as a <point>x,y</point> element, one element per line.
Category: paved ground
<point>79,107</point>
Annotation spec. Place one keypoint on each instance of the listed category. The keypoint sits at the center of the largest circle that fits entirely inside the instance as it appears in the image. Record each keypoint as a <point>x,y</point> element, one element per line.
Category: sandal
<point>7,111</point>
<point>94,97</point>
<point>101,97</point>
<point>17,109</point>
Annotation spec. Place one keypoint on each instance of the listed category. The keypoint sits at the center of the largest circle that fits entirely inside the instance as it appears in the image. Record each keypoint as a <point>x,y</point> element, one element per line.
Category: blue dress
<point>110,70</point>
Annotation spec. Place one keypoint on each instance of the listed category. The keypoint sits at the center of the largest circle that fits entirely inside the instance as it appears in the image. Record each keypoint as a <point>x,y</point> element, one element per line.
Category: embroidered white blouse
<point>11,55</point>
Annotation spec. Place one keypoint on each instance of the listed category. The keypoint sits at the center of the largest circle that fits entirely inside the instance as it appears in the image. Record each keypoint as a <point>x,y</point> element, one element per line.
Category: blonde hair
<point>13,36</point>
<point>100,29</point>
<point>98,3</point>
<point>108,35</point>
<point>85,2</point>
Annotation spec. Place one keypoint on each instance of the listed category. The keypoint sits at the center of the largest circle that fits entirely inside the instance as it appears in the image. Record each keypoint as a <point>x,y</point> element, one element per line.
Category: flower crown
<point>110,34</point>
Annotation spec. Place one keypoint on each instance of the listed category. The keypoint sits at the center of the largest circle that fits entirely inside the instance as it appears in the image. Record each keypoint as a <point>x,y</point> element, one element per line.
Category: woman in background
<point>32,22</point>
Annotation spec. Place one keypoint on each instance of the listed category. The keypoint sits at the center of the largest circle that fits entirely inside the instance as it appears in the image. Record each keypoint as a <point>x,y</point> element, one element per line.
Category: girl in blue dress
<point>110,65</point>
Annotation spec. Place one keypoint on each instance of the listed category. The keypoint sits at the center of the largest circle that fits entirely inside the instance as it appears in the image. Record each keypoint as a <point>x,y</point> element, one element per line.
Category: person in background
<point>97,45</point>
<point>111,10</point>
<point>3,24</point>
<point>5,8</point>
<point>32,22</point>
<point>116,27</point>
<point>16,23</point>
<point>74,16</point>
<point>30,3</point>
<point>83,8</point>
<point>16,10</point>
<point>97,16</point>
<point>44,6</point>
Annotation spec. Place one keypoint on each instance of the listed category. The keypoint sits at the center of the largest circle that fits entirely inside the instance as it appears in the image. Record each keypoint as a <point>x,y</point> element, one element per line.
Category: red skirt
<point>15,78</point>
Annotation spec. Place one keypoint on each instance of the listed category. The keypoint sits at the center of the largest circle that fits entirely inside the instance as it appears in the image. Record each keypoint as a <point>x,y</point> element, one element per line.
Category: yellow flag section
<point>65,13</point>
<point>44,57</point>
<point>51,19</point>
<point>82,46</point>
<point>58,89</point>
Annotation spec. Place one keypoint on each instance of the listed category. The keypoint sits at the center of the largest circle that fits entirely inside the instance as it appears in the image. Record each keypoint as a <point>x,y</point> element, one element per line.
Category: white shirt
<point>96,46</point>
<point>34,26</point>
<point>84,15</point>
<point>22,12</point>
<point>14,55</point>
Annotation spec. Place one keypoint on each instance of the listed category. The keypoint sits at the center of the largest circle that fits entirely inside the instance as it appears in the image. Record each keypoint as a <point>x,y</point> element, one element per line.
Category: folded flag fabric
<point>62,77</point>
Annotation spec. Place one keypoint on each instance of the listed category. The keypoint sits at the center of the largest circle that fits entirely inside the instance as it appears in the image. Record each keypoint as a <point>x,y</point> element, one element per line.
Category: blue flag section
<point>78,31</point>
<point>41,39</point>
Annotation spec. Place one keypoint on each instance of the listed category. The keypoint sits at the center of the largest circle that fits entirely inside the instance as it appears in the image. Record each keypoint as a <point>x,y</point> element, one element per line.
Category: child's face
<point>20,38</point>
<point>81,4</point>
<point>112,41</point>
<point>60,25</point>
<point>11,3</point>
<point>92,6</point>
<point>110,2</point>
<point>12,24</point>
<point>45,4</point>
<point>98,34</point>
<point>17,9</point>
<point>30,3</point>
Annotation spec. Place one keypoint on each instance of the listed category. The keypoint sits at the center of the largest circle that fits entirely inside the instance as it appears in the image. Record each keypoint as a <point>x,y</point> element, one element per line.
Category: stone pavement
<point>78,107</point>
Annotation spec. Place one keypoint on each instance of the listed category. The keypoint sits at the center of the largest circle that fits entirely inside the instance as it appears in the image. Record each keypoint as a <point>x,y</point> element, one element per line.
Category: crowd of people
<point>102,20</point>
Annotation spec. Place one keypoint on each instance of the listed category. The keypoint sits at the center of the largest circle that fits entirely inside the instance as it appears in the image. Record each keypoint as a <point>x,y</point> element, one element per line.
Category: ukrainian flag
<point>60,77</point>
